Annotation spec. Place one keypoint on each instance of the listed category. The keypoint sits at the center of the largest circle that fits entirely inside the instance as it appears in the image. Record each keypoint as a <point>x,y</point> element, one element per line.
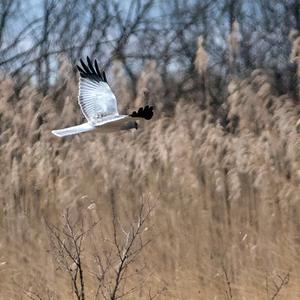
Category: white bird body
<point>99,105</point>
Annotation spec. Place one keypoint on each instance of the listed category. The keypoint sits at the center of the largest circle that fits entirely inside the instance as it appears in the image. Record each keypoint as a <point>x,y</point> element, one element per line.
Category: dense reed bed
<point>227,213</point>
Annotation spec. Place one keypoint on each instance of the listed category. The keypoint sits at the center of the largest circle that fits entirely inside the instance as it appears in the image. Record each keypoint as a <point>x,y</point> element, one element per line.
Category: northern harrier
<point>99,105</point>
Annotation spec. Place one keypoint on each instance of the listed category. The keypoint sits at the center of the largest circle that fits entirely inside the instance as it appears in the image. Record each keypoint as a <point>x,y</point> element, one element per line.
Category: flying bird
<point>99,105</point>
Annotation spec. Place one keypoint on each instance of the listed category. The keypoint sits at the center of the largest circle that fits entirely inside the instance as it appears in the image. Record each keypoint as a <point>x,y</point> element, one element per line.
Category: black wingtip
<point>90,65</point>
<point>145,112</point>
<point>91,71</point>
<point>97,68</point>
<point>104,76</point>
<point>79,69</point>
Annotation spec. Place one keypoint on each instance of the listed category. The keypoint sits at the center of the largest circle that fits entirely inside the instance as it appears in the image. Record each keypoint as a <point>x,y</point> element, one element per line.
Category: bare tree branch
<point>114,263</point>
<point>276,286</point>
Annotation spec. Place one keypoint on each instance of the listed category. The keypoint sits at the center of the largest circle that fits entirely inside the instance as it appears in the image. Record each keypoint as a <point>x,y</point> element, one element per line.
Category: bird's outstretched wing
<point>107,124</point>
<point>96,98</point>
<point>73,130</point>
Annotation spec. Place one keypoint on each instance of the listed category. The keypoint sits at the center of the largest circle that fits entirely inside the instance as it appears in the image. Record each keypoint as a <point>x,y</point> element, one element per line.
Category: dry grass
<point>227,216</point>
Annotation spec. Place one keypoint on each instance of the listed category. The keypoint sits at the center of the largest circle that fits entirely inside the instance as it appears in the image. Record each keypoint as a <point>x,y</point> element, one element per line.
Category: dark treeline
<point>238,36</point>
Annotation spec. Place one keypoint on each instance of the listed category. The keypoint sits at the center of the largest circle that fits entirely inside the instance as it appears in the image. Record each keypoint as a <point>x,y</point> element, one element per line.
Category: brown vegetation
<point>219,162</point>
<point>227,199</point>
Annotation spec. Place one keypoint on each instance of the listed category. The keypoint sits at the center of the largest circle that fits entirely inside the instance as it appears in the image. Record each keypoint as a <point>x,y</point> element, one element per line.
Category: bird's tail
<point>73,130</point>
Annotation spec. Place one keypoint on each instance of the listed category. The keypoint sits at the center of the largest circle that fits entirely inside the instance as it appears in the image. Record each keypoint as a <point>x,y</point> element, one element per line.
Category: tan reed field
<point>226,223</point>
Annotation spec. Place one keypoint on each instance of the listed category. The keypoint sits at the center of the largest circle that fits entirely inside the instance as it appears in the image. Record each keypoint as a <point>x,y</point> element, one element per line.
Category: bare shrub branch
<point>277,284</point>
<point>67,249</point>
<point>116,258</point>
<point>228,290</point>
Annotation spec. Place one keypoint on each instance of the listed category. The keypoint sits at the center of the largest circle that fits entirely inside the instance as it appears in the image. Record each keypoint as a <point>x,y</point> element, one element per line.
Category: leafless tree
<point>6,7</point>
<point>115,257</point>
<point>228,290</point>
<point>117,272</point>
<point>274,287</point>
<point>138,30</point>
<point>67,247</point>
